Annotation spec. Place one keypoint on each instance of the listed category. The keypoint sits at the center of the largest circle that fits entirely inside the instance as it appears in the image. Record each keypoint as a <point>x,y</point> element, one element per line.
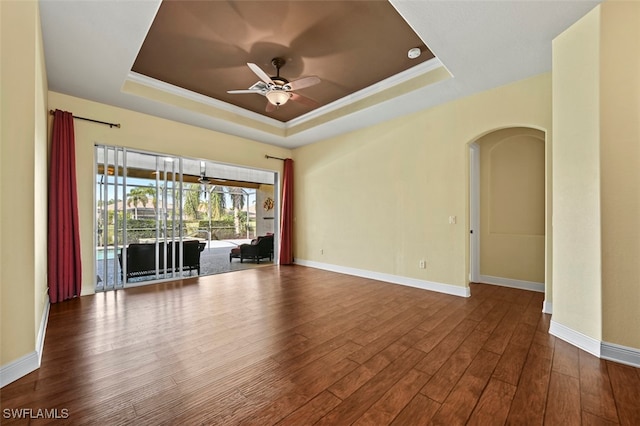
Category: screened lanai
<point>154,210</point>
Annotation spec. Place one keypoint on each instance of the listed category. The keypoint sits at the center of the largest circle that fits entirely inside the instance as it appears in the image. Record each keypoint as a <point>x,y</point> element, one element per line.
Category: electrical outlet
<point>321,251</point>
<point>422,264</point>
<point>453,220</point>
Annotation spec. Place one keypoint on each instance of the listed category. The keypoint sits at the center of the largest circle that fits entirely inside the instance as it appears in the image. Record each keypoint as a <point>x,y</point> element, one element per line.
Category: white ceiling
<point>90,47</point>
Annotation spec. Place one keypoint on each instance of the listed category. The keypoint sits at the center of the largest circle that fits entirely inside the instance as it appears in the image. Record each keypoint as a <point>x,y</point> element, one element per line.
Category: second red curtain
<point>286,224</point>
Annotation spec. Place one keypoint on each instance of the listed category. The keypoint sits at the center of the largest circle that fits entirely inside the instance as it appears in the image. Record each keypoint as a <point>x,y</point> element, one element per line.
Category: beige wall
<point>576,178</point>
<point>145,132</point>
<point>379,199</point>
<point>620,171</point>
<point>23,180</point>
<point>596,191</point>
<point>512,204</point>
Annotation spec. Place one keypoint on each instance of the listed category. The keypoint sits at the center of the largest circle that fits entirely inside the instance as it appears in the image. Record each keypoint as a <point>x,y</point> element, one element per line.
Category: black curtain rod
<point>92,120</point>
<point>275,158</point>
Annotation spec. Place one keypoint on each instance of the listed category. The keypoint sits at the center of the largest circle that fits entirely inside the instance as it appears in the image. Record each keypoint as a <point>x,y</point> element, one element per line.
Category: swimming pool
<point>100,253</point>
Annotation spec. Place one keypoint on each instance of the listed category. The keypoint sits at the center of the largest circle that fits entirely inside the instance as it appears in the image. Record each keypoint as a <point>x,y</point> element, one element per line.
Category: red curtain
<point>64,268</point>
<point>286,225</point>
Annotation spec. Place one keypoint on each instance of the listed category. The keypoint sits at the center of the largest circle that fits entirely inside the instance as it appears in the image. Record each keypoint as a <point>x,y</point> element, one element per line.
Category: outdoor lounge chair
<point>260,248</point>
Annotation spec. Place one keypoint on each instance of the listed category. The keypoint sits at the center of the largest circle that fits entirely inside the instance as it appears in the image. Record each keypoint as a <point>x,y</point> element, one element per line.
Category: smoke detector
<point>414,53</point>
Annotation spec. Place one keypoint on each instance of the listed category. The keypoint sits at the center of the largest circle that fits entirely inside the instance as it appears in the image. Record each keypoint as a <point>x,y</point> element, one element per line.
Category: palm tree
<point>192,201</point>
<point>137,196</point>
<point>151,192</point>
<point>237,202</point>
<point>218,201</point>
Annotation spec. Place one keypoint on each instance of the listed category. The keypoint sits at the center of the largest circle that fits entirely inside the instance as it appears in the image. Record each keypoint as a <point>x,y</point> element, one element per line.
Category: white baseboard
<point>43,329</point>
<point>508,282</point>
<point>547,307</point>
<point>622,354</point>
<point>19,368</point>
<point>29,362</point>
<point>394,279</point>
<point>582,341</point>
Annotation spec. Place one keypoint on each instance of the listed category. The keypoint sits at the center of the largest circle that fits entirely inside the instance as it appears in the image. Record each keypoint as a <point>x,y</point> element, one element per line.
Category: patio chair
<point>260,248</point>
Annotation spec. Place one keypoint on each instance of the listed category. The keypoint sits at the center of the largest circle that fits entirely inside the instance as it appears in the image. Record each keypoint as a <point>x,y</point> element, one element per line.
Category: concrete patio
<point>214,259</point>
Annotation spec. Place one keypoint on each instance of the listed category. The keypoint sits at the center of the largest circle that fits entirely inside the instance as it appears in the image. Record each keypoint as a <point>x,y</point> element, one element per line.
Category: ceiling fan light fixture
<point>278,97</point>
<point>278,90</point>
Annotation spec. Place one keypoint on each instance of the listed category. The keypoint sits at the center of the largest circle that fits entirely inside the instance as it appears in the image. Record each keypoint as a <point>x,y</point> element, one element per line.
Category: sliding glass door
<point>161,217</point>
<point>138,217</point>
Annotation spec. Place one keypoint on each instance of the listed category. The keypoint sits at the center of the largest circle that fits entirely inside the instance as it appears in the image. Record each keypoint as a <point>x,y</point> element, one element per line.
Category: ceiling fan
<point>203,179</point>
<point>206,180</point>
<point>278,90</point>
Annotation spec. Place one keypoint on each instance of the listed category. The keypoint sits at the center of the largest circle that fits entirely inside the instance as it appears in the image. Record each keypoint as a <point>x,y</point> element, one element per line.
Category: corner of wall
<point>30,362</point>
<point>580,340</point>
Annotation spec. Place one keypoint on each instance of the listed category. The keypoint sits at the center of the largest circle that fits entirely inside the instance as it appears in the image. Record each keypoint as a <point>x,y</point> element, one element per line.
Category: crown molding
<point>171,89</point>
<point>395,80</point>
<point>407,75</point>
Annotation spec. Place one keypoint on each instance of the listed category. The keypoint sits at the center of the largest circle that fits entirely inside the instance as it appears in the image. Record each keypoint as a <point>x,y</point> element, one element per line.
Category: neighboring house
<point>375,200</point>
<point>139,211</point>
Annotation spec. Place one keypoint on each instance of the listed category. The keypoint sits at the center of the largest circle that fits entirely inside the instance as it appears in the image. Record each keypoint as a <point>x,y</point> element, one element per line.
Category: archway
<point>507,208</point>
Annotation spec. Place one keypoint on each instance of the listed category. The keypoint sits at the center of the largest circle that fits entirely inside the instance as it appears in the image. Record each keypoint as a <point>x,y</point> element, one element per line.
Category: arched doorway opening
<point>507,208</point>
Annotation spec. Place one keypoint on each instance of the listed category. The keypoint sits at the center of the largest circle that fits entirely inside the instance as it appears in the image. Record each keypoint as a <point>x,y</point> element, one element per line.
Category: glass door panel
<point>138,217</point>
<point>110,216</point>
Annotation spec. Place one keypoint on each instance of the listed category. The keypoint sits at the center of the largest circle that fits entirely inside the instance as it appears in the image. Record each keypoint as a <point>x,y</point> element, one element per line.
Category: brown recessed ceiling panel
<point>204,47</point>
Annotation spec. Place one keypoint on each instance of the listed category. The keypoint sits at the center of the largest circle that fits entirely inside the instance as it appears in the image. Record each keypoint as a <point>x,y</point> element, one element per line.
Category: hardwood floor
<point>300,346</point>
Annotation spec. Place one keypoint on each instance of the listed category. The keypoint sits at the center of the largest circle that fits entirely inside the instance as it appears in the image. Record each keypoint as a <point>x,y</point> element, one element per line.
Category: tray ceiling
<point>204,46</point>
<point>97,50</point>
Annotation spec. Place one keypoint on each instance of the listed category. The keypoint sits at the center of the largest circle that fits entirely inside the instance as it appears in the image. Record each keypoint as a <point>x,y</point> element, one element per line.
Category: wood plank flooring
<point>301,346</point>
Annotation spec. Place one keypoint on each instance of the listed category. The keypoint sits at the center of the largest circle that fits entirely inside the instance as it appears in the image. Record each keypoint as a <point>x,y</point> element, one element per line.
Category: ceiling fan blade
<point>304,100</point>
<point>270,107</point>
<point>303,82</point>
<point>258,71</point>
<point>235,92</point>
